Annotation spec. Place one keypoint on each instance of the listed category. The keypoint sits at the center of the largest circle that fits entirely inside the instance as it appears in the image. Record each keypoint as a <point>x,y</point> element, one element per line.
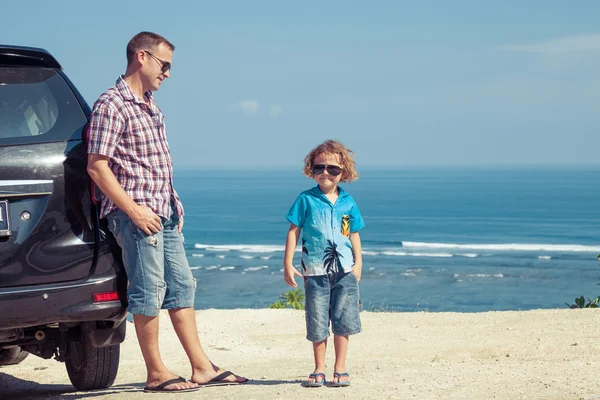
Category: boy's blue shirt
<point>326,229</point>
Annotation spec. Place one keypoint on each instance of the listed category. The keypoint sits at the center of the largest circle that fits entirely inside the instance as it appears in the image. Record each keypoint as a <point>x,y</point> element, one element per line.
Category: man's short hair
<point>145,41</point>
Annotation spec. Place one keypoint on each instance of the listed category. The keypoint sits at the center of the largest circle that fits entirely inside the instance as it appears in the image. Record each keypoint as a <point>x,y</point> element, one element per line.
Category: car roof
<point>27,56</point>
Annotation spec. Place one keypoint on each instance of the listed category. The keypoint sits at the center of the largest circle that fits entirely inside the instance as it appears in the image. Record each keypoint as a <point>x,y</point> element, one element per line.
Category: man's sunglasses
<point>332,170</point>
<point>164,65</point>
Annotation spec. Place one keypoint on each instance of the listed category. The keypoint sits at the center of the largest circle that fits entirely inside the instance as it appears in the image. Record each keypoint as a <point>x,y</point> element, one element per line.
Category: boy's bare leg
<point>341,349</point>
<point>319,352</point>
<point>203,370</point>
<point>146,329</point>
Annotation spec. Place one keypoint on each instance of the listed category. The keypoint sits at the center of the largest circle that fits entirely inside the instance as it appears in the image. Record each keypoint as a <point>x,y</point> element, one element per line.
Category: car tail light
<point>104,297</point>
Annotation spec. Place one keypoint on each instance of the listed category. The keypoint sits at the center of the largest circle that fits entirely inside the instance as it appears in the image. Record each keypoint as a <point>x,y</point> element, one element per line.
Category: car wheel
<point>11,356</point>
<point>91,367</point>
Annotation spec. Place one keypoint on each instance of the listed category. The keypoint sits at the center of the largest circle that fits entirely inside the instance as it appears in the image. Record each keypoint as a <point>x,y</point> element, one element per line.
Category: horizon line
<point>230,167</point>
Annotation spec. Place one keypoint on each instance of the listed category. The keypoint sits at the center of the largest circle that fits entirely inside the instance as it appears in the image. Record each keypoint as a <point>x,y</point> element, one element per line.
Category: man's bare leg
<point>146,329</point>
<point>203,370</point>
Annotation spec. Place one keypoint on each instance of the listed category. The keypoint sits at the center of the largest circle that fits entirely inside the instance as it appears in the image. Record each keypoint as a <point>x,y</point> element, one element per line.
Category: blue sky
<point>399,82</point>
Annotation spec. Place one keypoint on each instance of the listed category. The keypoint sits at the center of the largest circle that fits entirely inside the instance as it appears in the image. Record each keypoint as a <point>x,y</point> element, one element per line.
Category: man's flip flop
<point>317,382</point>
<point>219,380</point>
<point>161,388</point>
<point>338,383</point>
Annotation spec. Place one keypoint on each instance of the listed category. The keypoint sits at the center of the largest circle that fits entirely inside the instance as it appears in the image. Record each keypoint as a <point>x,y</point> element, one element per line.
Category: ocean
<point>462,239</point>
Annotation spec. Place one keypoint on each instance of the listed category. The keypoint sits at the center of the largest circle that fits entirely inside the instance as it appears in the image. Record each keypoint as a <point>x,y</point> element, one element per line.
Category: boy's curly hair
<point>345,155</point>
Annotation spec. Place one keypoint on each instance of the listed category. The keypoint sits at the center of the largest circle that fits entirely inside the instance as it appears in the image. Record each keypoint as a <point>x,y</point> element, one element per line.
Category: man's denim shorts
<point>331,298</point>
<point>156,265</point>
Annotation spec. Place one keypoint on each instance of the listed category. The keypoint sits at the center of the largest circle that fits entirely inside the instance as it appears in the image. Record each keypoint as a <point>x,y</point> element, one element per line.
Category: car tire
<point>12,356</point>
<point>91,367</point>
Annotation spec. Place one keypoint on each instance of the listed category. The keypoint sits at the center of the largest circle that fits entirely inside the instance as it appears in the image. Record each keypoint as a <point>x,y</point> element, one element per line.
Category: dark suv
<point>62,284</point>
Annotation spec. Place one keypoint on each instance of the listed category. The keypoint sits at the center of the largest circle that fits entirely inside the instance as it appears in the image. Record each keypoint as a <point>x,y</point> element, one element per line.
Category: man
<point>130,161</point>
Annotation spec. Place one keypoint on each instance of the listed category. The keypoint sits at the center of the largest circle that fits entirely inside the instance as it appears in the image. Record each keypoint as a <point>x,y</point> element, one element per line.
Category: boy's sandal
<point>317,382</point>
<point>338,375</point>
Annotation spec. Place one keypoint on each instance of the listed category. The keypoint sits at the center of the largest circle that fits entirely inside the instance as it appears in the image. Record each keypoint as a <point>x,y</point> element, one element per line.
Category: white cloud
<point>246,107</point>
<point>275,110</point>
<point>560,45</point>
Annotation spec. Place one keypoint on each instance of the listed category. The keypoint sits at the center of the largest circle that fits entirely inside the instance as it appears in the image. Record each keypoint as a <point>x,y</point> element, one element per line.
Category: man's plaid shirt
<point>133,135</point>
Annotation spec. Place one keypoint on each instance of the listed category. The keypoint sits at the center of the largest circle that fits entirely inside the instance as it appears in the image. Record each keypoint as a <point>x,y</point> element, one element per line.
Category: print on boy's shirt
<point>346,225</point>
<point>304,250</point>
<point>331,259</point>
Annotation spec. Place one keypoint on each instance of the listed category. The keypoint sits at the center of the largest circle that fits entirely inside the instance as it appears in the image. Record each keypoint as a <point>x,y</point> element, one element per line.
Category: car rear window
<point>37,105</point>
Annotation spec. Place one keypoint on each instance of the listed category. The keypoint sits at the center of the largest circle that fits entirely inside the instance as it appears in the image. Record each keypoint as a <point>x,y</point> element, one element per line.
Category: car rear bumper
<point>24,307</point>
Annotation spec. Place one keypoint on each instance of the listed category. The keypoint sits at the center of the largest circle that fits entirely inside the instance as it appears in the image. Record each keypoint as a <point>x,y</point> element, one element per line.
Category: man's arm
<point>101,173</point>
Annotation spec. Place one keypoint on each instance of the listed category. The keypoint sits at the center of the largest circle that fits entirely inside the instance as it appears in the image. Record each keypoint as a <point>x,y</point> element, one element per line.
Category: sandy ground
<point>542,354</point>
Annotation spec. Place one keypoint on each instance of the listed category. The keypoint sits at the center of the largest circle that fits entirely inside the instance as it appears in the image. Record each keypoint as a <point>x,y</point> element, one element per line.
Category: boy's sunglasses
<point>164,65</point>
<point>333,170</point>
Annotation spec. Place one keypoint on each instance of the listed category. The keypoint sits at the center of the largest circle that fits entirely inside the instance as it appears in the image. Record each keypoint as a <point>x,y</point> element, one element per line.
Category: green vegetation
<point>580,301</point>
<point>290,299</point>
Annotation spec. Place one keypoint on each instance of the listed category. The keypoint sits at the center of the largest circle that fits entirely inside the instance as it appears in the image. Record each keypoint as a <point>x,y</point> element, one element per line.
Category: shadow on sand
<point>19,389</point>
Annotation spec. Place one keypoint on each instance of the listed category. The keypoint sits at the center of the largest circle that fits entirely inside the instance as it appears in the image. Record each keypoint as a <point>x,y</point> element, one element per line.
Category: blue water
<point>437,239</point>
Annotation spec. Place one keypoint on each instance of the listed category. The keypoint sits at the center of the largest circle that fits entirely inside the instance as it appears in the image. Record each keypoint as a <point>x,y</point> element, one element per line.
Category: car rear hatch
<point>46,231</point>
